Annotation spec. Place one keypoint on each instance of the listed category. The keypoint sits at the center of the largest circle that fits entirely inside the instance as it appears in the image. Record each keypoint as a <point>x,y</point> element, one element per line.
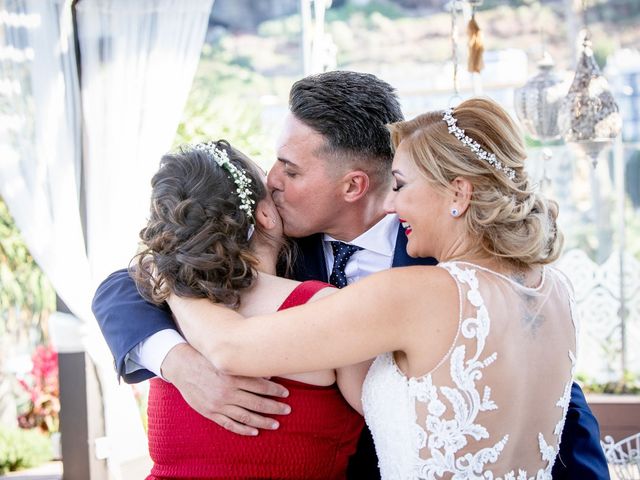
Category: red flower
<point>41,384</point>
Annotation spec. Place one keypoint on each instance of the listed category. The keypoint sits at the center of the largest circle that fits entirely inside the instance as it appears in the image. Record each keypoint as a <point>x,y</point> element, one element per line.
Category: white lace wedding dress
<point>494,406</point>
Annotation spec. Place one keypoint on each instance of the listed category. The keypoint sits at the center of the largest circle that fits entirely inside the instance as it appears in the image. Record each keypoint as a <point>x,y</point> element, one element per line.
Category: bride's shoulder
<point>424,282</point>
<point>428,273</point>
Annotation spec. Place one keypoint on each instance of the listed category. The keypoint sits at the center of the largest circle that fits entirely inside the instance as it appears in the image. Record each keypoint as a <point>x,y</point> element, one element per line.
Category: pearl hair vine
<point>239,177</point>
<point>475,147</point>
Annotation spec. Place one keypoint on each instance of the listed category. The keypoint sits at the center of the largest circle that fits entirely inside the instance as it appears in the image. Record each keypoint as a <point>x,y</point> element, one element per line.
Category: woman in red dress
<point>214,232</point>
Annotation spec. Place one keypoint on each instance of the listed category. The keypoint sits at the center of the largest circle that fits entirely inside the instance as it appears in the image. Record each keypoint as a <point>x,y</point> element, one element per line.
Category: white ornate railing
<point>623,456</point>
<point>606,299</point>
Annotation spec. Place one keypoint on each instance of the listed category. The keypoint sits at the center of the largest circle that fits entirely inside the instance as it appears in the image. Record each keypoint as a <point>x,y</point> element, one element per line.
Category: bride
<point>474,357</point>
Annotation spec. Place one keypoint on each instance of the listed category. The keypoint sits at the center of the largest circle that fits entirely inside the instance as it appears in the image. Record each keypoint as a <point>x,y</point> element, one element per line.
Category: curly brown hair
<point>196,242</point>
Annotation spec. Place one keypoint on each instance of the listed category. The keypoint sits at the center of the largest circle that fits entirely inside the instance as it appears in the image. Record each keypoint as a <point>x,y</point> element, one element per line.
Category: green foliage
<point>490,4</point>
<point>289,27</point>
<point>532,143</point>
<point>225,103</point>
<point>209,117</point>
<point>223,71</point>
<point>22,449</point>
<point>629,384</point>
<point>604,47</point>
<point>369,10</point>
<point>26,296</point>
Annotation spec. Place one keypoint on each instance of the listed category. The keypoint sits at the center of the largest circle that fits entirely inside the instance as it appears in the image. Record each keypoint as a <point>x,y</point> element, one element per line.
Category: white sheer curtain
<point>137,63</point>
<point>40,142</point>
<point>138,60</point>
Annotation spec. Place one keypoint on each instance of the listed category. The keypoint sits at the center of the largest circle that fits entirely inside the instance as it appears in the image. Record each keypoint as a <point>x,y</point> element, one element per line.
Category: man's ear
<point>266,215</point>
<point>462,190</point>
<point>356,185</point>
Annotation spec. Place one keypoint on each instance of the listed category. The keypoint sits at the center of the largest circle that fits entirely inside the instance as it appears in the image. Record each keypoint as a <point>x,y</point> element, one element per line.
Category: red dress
<point>314,441</point>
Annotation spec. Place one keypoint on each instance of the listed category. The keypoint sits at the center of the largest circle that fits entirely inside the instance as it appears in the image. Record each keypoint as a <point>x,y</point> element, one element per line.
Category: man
<point>329,185</point>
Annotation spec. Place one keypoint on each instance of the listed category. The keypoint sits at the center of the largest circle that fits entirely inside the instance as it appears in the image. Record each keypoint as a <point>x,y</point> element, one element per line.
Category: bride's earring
<point>454,212</point>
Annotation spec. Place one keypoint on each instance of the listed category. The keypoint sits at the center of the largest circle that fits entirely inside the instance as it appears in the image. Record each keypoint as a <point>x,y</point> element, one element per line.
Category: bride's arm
<point>348,327</point>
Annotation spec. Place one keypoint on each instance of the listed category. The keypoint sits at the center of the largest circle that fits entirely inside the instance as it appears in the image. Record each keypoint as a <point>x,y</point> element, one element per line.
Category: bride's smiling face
<point>418,204</point>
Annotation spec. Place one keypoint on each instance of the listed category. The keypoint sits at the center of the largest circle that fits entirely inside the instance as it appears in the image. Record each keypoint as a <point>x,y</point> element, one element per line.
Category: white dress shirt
<point>378,244</point>
<point>151,352</point>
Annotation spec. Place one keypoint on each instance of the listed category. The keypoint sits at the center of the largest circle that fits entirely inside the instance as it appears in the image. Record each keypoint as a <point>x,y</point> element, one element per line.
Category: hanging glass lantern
<point>537,102</point>
<point>589,117</point>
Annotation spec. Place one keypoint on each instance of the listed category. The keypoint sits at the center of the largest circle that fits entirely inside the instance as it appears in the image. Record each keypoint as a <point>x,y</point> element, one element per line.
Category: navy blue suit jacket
<point>126,319</point>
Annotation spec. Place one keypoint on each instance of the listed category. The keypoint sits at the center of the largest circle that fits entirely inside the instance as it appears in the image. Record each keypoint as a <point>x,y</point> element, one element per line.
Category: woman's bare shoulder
<point>402,289</point>
<point>266,295</point>
<point>431,284</point>
<point>410,279</point>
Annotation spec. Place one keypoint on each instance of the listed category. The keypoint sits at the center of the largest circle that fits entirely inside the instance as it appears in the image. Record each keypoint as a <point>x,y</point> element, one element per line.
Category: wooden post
<point>81,415</point>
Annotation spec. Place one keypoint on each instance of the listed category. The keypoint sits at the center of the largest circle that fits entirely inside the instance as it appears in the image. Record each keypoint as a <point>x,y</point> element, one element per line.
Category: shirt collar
<point>381,238</point>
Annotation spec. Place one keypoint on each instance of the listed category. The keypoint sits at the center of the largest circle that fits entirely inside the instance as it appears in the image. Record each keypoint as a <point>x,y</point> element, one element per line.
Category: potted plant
<point>616,405</point>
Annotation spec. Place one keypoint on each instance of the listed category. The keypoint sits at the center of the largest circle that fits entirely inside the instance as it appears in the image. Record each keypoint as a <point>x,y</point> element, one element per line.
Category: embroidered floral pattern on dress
<point>450,421</point>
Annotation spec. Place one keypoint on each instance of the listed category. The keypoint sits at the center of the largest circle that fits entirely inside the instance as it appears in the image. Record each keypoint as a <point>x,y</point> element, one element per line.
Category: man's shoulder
<point>115,284</point>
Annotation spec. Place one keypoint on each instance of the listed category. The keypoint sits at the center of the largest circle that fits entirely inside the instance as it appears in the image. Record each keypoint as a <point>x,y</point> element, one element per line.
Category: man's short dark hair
<point>350,109</point>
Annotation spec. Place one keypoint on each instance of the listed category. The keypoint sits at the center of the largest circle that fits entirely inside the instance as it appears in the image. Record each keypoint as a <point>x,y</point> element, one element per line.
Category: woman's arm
<point>351,377</point>
<point>355,324</point>
<point>350,380</point>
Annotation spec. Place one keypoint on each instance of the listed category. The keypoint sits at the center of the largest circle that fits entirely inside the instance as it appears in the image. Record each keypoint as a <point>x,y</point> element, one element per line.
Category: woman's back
<point>314,441</point>
<point>497,401</point>
<point>269,294</point>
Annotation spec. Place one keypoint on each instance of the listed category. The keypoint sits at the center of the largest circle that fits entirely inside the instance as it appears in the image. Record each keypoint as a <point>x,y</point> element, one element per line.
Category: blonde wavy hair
<point>510,219</point>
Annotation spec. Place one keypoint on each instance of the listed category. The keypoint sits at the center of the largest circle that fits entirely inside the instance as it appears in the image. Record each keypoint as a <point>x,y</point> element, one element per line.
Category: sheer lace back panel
<point>495,406</point>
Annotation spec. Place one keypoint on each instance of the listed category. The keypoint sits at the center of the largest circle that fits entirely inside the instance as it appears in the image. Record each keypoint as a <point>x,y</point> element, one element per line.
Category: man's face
<point>306,193</point>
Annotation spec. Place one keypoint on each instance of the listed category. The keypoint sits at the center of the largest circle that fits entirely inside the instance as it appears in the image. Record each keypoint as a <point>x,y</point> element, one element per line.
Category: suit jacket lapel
<point>400,256</point>
<point>310,263</point>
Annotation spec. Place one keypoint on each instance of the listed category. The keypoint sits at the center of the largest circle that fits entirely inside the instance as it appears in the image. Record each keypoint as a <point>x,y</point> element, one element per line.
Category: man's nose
<point>388,205</point>
<point>274,178</point>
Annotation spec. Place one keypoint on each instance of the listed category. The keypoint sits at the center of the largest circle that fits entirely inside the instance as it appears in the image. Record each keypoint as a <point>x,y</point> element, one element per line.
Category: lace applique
<point>451,412</point>
<point>446,437</point>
